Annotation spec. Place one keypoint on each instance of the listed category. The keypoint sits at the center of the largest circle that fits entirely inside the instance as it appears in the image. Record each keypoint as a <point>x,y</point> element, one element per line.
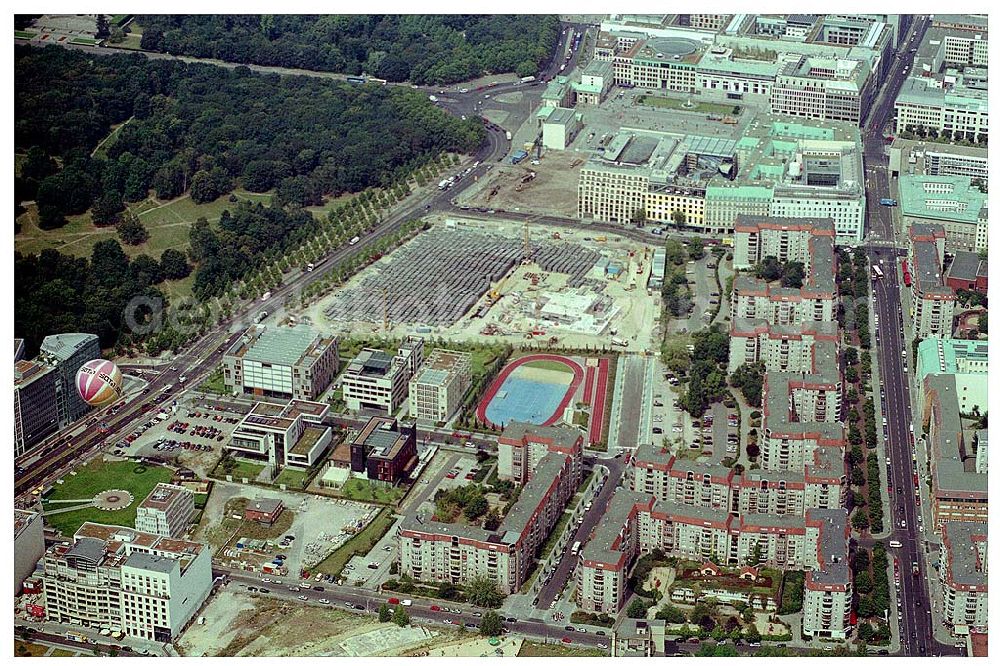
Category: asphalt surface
<point>916,633</point>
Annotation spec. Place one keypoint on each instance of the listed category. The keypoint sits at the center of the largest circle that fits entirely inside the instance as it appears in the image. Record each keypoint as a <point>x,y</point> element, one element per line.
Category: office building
<point>560,127</point>
<point>383,451</point>
<point>29,545</point>
<point>521,446</point>
<point>953,105</point>
<point>824,89</point>
<point>921,158</point>
<point>963,573</point>
<point>66,352</point>
<point>932,301</point>
<point>36,410</point>
<point>439,386</point>
<point>437,552</point>
<point>596,81</point>
<point>291,435</point>
<point>290,362</point>
<point>375,380</point>
<point>950,201</point>
<point>166,511</point>
<point>116,578</point>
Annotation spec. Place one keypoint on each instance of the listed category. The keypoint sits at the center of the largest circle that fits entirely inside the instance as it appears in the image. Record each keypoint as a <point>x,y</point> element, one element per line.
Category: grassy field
<point>24,34</point>
<point>25,649</point>
<point>678,104</point>
<point>549,365</point>
<point>360,489</point>
<point>168,224</point>
<point>532,649</point>
<point>95,477</point>
<point>292,478</point>
<point>214,383</point>
<point>359,544</point>
<point>246,469</point>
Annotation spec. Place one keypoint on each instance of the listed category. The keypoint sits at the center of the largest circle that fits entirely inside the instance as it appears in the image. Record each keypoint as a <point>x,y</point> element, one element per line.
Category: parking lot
<point>192,435</point>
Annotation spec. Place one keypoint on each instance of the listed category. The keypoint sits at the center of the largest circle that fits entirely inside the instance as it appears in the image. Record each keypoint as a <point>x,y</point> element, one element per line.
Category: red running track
<point>588,385</point>
<point>597,406</point>
<point>491,392</point>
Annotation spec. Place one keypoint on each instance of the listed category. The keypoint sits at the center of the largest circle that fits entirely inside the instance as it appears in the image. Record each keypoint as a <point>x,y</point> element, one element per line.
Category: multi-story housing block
<point>521,446</point>
<point>110,577</point>
<point>166,511</point>
<point>963,573</point>
<point>933,301</point>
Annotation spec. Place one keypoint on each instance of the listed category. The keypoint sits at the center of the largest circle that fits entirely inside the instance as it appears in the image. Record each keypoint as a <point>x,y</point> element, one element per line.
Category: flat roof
<point>311,434</point>
<point>163,495</point>
<point>949,198</point>
<point>282,345</point>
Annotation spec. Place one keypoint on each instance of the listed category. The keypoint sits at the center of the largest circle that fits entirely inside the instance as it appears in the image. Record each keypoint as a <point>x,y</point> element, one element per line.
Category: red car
<point>435,608</point>
<point>393,600</point>
<point>566,640</point>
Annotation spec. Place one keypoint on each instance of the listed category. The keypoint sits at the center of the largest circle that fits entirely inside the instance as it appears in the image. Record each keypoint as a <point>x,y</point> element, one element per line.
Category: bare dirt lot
<point>240,624</point>
<point>553,190</point>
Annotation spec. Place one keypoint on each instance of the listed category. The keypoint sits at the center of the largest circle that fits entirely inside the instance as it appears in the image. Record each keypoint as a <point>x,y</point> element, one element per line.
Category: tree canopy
<point>208,129</point>
<point>419,48</point>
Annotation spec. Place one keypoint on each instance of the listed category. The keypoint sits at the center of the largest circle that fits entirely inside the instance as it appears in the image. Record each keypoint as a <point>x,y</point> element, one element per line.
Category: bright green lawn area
<point>24,34</point>
<point>95,477</point>
<point>678,104</point>
<point>549,365</point>
<point>532,649</point>
<point>359,544</point>
<point>244,468</point>
<point>292,478</point>
<point>85,41</point>
<point>361,489</point>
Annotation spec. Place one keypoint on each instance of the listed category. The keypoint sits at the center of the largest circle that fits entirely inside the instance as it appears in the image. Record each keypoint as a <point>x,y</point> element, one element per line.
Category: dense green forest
<point>207,129</point>
<point>200,129</point>
<point>421,49</point>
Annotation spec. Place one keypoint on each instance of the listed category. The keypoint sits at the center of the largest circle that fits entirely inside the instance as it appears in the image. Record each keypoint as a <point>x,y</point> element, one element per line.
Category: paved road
<point>916,634</point>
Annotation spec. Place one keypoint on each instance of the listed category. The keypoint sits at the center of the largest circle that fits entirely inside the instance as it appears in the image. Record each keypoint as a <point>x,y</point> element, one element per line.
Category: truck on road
<point>527,79</point>
<point>619,342</point>
<point>887,202</point>
<point>518,157</point>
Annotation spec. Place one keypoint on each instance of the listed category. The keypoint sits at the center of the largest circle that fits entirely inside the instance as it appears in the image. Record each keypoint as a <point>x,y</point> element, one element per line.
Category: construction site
<point>546,188</point>
<point>518,283</point>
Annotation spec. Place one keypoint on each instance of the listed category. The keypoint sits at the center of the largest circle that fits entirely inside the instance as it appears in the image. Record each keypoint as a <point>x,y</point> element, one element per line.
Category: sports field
<point>93,478</point>
<point>534,389</point>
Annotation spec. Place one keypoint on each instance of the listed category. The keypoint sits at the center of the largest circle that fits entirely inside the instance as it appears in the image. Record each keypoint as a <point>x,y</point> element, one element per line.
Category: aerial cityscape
<point>500,335</point>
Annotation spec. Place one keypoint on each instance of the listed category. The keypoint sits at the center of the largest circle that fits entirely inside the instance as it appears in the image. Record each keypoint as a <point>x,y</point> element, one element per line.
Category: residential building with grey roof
<point>963,574</point>
<point>933,301</point>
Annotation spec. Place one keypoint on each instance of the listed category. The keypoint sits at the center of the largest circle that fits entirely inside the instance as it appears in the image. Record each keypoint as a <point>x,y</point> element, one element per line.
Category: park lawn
<point>359,544</point>
<point>292,478</point>
<point>678,104</point>
<point>549,365</point>
<point>24,34</point>
<point>360,489</point>
<point>178,290</point>
<point>168,225</point>
<point>532,649</point>
<point>321,212</point>
<point>23,648</point>
<point>59,652</point>
<point>99,475</point>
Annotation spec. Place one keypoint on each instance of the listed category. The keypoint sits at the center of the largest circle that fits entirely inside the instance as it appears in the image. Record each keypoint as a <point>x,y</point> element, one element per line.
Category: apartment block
<point>933,301</point>
<point>289,362</point>
<point>166,511</point>
<point>437,552</point>
<point>36,413</point>
<point>383,451</point>
<point>965,360</point>
<point>375,380</point>
<point>781,348</point>
<point>29,545</point>
<point>521,446</point>
<point>440,385</point>
<point>110,577</point>
<point>826,606</point>
<point>959,489</point>
<point>963,573</point>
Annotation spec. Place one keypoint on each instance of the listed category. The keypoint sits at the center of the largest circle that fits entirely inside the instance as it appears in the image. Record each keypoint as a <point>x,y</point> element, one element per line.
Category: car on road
<point>448,620</point>
<point>303,597</point>
<point>566,639</point>
<point>471,625</point>
<point>569,628</point>
<point>435,608</point>
<point>602,646</point>
<point>325,602</point>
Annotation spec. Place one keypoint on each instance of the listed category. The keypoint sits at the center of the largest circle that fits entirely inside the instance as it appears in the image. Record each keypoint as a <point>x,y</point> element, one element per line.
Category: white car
<point>406,602</point>
<point>325,602</point>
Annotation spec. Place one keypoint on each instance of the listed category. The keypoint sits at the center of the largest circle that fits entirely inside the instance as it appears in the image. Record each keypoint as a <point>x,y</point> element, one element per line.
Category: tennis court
<point>530,391</point>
